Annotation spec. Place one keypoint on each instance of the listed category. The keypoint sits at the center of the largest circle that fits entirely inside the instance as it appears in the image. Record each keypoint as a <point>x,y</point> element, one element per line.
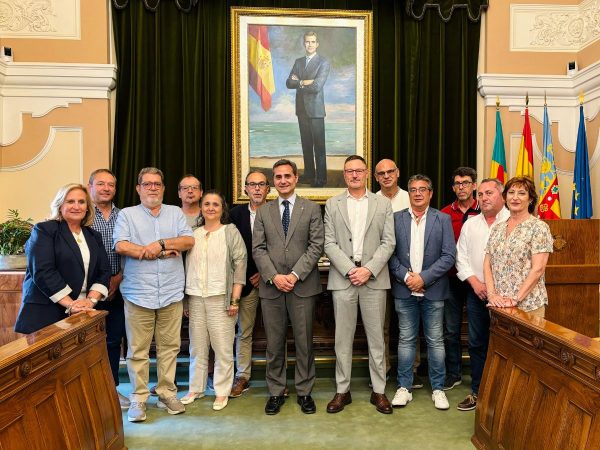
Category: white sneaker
<point>402,397</point>
<point>439,399</point>
<point>190,397</point>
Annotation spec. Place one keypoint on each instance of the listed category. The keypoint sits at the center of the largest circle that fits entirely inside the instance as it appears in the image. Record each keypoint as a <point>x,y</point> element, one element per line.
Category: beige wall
<point>73,136</point>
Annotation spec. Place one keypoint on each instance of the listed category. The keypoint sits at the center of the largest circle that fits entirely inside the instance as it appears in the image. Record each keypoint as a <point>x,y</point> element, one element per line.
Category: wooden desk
<point>540,387</point>
<point>57,390</point>
<point>11,283</point>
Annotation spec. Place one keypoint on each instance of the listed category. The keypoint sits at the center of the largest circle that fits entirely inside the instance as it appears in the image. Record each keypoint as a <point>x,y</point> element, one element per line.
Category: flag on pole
<point>581,207</point>
<point>525,161</point>
<point>549,205</point>
<point>260,66</point>
<point>498,167</point>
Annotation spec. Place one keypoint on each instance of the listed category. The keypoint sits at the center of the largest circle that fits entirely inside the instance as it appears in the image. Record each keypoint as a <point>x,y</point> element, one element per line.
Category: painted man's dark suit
<point>310,109</point>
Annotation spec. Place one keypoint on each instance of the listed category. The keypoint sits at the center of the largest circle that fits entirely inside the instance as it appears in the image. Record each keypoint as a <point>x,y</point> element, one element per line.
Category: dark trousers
<point>115,331</point>
<point>312,136</point>
<point>453,314</point>
<point>479,336</point>
<point>275,319</point>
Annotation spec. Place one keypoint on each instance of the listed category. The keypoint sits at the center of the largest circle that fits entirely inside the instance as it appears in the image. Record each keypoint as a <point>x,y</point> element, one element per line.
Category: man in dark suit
<point>308,76</point>
<point>424,253</point>
<point>286,245</point>
<point>243,216</point>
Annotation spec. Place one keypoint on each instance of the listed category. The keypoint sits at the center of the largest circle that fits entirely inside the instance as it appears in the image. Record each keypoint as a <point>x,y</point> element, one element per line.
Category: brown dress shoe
<point>240,385</point>
<point>338,402</point>
<point>382,404</point>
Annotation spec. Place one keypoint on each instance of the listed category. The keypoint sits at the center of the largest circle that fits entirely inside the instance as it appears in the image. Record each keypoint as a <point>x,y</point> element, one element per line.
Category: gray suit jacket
<point>378,243</point>
<point>438,256</point>
<point>299,252</point>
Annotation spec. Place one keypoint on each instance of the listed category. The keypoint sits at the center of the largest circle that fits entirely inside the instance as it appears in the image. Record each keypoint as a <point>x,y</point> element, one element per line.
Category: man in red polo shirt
<point>464,183</point>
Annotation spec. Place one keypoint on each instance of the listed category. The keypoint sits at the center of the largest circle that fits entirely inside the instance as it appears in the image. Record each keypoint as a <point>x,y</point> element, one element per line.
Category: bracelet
<point>68,309</point>
<point>235,302</point>
<point>162,244</point>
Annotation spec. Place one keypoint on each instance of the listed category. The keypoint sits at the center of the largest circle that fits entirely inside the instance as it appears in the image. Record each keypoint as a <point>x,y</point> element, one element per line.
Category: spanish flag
<point>260,66</point>
<point>525,161</point>
<point>549,205</point>
<point>498,167</point>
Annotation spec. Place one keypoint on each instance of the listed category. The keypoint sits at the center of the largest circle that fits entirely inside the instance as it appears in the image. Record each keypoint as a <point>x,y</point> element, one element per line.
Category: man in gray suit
<point>307,77</point>
<point>359,239</point>
<point>287,243</point>
<point>425,251</point>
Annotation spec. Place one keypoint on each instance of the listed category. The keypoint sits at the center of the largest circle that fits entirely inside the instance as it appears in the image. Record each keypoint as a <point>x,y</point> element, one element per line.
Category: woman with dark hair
<point>215,274</point>
<point>517,252</point>
<point>67,267</point>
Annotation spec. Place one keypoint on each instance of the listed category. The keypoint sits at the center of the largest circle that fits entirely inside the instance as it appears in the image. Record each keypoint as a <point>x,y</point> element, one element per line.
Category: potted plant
<point>13,235</point>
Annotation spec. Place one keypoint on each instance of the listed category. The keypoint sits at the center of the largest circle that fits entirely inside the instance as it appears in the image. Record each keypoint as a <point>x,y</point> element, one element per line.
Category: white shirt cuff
<point>61,294</point>
<point>406,276</point>
<point>463,275</point>
<point>99,288</point>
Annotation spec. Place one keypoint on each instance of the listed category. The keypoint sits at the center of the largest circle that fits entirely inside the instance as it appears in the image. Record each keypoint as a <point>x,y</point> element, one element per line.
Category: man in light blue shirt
<point>151,237</point>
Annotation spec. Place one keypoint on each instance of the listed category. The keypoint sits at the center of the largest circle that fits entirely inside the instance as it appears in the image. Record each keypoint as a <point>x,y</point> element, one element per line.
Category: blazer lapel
<point>276,218</point>
<point>70,240</point>
<point>406,223</point>
<point>296,213</point>
<point>371,211</point>
<point>91,243</point>
<point>429,223</point>
<point>343,206</point>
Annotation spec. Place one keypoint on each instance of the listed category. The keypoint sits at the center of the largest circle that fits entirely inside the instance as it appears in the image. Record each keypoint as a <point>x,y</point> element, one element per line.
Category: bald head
<point>387,174</point>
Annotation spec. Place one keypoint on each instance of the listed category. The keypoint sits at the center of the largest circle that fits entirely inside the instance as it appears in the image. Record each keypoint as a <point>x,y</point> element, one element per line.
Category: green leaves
<point>14,233</point>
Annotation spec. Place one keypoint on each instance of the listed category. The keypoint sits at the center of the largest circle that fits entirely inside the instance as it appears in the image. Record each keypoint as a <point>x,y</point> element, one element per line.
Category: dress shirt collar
<point>291,199</point>
<point>365,195</point>
<point>414,216</point>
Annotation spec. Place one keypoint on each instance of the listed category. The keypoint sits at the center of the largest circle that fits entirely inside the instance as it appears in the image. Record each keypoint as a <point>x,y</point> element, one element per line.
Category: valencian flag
<point>525,161</point>
<point>498,167</point>
<point>260,66</point>
<point>549,206</point>
<point>582,192</point>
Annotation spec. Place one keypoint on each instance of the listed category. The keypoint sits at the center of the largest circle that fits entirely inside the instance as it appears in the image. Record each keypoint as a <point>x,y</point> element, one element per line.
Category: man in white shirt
<point>359,239</point>
<point>424,253</point>
<point>469,264</point>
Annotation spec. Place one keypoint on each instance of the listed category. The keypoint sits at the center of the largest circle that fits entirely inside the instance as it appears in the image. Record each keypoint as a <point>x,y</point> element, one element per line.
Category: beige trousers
<point>141,324</point>
<point>211,326</point>
<point>243,339</point>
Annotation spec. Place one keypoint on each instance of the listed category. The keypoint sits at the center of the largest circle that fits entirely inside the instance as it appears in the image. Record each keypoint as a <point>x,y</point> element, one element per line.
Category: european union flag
<point>582,192</point>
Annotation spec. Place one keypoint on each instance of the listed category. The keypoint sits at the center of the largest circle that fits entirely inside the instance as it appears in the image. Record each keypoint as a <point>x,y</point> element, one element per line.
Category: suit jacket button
<point>350,239</point>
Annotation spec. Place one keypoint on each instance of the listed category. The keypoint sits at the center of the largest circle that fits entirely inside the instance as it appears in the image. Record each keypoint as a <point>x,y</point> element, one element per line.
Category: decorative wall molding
<point>41,19</point>
<point>38,88</point>
<point>554,28</point>
<point>562,97</point>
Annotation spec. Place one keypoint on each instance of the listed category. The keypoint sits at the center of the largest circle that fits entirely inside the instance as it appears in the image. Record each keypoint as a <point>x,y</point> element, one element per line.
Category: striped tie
<point>285,219</point>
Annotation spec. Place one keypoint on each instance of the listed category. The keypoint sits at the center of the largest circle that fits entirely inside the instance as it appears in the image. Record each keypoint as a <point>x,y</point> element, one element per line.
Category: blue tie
<point>285,219</point>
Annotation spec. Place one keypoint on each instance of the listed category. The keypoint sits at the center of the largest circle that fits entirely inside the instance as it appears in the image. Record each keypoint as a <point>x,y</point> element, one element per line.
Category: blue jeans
<point>479,336</point>
<point>410,310</point>
<point>453,314</point>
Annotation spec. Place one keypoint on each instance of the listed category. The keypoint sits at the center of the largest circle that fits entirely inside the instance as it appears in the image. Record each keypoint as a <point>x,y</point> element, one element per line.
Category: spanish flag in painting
<point>498,167</point>
<point>260,65</point>
<point>549,205</point>
<point>581,207</point>
<point>525,161</point>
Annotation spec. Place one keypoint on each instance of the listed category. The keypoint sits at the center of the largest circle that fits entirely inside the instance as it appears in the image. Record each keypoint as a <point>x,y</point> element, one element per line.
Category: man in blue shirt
<point>151,237</point>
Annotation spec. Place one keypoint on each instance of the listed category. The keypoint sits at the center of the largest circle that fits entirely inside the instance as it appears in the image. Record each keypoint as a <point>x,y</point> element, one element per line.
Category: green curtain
<point>173,88</point>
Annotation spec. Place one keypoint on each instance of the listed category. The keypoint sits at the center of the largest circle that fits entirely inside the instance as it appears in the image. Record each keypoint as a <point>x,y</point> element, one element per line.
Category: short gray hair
<point>496,181</point>
<point>421,177</point>
<point>151,171</point>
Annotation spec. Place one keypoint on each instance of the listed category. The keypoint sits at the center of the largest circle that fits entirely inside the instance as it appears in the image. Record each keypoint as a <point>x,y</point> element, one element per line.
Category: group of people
<point>386,250</point>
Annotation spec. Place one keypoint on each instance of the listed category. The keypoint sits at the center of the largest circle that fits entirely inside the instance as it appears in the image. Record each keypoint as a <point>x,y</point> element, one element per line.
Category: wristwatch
<point>162,244</point>
<point>93,300</point>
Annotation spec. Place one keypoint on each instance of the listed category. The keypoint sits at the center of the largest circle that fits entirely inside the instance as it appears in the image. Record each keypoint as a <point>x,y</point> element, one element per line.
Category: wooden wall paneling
<point>11,283</point>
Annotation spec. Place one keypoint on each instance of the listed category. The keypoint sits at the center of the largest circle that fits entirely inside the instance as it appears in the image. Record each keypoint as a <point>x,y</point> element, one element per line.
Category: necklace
<point>78,237</point>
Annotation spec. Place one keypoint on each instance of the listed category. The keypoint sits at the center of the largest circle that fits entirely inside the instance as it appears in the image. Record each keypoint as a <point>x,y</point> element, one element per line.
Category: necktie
<point>285,219</point>
<point>306,63</point>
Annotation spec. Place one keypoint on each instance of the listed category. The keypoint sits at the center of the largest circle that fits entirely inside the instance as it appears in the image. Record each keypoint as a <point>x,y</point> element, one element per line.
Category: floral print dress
<point>510,257</point>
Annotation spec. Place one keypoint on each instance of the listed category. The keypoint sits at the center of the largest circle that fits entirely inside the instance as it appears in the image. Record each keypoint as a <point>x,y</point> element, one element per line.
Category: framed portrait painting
<point>301,90</point>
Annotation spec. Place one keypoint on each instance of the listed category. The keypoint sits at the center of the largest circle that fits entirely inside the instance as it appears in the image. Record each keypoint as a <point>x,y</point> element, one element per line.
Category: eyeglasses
<point>356,171</point>
<point>150,184</point>
<point>383,173</point>
<point>191,186</point>
<point>260,184</point>
<point>420,190</point>
<point>463,184</point>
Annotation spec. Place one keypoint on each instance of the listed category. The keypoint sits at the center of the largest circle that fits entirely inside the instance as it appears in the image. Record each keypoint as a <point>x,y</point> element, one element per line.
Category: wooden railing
<point>56,388</point>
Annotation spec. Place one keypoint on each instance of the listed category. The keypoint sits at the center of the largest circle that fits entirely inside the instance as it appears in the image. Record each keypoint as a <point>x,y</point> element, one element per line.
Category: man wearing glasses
<point>243,216</point>
<point>464,183</point>
<point>359,239</point>
<point>189,191</point>
<point>151,237</point>
<point>424,253</point>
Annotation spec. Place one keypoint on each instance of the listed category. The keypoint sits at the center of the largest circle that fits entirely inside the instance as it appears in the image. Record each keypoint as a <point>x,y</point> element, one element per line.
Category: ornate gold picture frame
<point>301,85</point>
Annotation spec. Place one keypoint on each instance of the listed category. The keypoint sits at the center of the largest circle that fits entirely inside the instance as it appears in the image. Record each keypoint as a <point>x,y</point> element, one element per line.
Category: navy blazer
<point>438,256</point>
<point>309,99</point>
<point>240,217</point>
<point>53,262</point>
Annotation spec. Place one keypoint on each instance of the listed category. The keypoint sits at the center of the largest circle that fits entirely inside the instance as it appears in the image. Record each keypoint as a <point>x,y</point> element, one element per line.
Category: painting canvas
<point>301,83</point>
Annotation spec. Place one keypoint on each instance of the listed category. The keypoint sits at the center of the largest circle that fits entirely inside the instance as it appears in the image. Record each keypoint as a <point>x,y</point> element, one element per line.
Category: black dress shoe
<point>307,404</point>
<point>274,405</point>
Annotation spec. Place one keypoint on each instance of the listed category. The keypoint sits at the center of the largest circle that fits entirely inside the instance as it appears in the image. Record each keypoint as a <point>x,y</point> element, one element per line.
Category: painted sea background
<point>274,133</point>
